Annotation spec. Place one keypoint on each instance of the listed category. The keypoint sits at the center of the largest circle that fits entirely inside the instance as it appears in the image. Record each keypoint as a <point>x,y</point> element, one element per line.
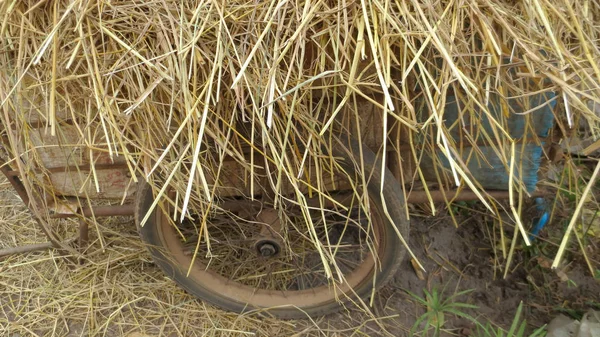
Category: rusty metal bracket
<point>29,248</point>
<point>83,213</point>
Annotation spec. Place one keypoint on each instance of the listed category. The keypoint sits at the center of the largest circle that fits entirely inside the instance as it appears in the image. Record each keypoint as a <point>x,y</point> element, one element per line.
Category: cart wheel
<point>260,257</point>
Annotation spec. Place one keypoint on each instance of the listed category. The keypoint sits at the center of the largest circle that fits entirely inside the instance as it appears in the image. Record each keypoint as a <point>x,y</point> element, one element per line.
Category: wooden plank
<point>112,183</point>
<point>65,151</point>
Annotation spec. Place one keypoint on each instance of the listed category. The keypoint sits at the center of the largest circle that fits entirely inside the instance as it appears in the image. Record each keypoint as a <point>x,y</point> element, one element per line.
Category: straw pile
<point>176,91</point>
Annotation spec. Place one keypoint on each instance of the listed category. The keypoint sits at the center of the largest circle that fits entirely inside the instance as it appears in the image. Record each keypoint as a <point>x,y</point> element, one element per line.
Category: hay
<point>173,90</point>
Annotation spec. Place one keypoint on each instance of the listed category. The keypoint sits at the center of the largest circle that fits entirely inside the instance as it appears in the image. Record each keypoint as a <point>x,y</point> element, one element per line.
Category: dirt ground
<point>119,292</point>
<point>463,258</point>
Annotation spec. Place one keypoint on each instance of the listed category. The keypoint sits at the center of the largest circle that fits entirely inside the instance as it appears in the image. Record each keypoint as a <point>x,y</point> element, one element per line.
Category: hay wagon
<point>305,250</point>
<point>268,150</point>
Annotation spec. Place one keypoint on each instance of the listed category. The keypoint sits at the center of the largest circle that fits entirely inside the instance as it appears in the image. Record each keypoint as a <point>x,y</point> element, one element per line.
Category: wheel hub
<point>267,248</point>
<point>268,241</point>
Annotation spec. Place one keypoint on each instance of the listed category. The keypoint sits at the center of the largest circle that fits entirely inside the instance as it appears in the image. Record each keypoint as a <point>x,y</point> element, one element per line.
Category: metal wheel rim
<point>262,298</point>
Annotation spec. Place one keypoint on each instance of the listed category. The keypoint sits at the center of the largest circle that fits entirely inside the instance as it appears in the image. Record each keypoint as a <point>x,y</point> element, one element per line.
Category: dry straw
<point>178,90</point>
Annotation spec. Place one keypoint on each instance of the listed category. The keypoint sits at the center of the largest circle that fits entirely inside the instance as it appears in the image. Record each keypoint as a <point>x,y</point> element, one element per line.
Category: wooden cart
<point>365,259</point>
